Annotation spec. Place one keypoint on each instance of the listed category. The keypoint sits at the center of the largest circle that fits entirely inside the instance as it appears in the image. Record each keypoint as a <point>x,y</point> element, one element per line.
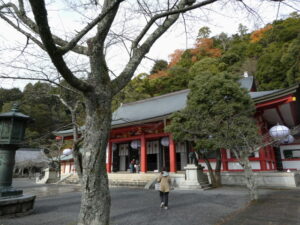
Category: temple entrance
<point>153,155</point>
<point>165,158</point>
<point>123,154</point>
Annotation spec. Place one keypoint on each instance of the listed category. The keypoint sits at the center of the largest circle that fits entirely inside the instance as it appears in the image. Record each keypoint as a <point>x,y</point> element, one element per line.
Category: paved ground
<point>59,205</point>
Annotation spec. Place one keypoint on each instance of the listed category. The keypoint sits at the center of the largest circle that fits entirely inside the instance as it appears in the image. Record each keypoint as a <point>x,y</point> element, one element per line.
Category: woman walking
<point>164,180</point>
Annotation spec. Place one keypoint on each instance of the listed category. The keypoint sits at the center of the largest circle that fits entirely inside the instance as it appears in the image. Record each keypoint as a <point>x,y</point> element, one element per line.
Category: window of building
<point>291,153</point>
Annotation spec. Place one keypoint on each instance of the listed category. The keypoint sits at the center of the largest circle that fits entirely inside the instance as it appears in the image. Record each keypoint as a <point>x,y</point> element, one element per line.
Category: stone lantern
<point>12,130</point>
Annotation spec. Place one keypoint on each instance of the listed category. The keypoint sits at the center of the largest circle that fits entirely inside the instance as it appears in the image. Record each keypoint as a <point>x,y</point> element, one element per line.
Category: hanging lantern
<point>288,140</point>
<point>279,131</point>
<point>114,146</point>
<point>135,144</point>
<point>67,151</point>
<point>165,141</point>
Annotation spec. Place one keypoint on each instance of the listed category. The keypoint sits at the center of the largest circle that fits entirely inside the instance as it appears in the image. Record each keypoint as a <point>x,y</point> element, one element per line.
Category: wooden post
<point>109,157</point>
<point>262,156</point>
<point>224,159</point>
<point>143,155</point>
<point>172,151</point>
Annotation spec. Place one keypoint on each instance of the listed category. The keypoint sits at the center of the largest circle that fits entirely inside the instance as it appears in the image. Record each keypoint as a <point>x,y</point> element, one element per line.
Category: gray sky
<point>218,18</point>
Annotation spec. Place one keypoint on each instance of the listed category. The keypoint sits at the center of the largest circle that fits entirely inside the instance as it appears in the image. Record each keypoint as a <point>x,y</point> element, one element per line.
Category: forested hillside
<point>38,101</point>
<point>271,54</point>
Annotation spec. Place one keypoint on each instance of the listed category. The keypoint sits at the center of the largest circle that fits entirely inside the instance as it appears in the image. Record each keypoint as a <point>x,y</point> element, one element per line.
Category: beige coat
<point>164,183</point>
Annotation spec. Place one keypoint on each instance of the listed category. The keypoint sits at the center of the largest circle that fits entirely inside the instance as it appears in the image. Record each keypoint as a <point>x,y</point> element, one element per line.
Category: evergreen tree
<point>216,107</point>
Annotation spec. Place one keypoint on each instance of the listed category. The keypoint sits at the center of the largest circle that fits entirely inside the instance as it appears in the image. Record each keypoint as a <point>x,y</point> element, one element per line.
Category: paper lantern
<point>67,151</point>
<point>135,144</point>
<point>279,131</point>
<point>114,146</point>
<point>165,141</point>
<point>288,140</point>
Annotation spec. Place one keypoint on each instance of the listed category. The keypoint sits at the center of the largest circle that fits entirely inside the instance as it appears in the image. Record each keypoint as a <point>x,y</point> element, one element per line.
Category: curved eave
<point>276,95</point>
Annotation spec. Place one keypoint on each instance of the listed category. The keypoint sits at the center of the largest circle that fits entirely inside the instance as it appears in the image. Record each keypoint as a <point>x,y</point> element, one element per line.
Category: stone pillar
<point>172,152</point>
<point>7,162</point>
<point>195,178</point>
<point>143,155</point>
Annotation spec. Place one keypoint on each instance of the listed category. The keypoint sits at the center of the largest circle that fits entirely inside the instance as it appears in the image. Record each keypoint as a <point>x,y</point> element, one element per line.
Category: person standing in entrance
<point>137,166</point>
<point>164,180</point>
<point>131,166</point>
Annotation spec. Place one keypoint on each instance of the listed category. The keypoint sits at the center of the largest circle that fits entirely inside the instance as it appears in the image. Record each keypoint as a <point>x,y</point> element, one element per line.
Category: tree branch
<point>168,13</point>
<point>40,15</point>
<point>139,52</point>
<point>28,35</point>
<point>111,9</point>
<point>21,15</point>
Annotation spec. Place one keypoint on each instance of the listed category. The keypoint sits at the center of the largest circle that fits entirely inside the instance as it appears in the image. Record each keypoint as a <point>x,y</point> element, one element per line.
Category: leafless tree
<point>108,23</point>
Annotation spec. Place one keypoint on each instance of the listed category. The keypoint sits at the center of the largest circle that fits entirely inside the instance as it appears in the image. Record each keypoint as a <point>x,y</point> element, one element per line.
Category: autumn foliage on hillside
<point>205,47</point>
<point>161,73</point>
<point>257,35</point>
<point>175,57</point>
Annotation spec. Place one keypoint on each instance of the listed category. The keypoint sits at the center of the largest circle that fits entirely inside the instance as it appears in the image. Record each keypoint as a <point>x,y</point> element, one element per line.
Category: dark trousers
<point>164,197</point>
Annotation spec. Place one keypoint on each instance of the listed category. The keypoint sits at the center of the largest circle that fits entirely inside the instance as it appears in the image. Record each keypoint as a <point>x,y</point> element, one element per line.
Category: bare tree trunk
<point>210,172</point>
<point>218,169</point>
<point>59,169</point>
<point>95,200</point>
<point>249,177</point>
<point>77,155</point>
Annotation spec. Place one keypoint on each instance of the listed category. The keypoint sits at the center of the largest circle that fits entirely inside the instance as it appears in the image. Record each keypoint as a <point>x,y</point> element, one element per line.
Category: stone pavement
<point>281,207</point>
<point>59,205</point>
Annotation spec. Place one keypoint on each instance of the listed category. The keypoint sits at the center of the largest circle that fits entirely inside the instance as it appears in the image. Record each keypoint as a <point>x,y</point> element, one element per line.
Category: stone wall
<point>264,179</point>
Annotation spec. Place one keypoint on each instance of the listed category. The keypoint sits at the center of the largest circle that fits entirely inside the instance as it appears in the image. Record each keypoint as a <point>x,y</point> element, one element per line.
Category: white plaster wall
<point>122,162</point>
<point>183,158</point>
<point>291,164</point>
<point>264,179</point>
<point>106,158</point>
<point>237,166</point>
<point>213,165</point>
<point>68,166</point>
<point>228,153</point>
<point>234,166</point>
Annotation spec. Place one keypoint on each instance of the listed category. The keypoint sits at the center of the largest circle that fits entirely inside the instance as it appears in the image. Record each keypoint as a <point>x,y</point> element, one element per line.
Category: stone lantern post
<point>12,130</point>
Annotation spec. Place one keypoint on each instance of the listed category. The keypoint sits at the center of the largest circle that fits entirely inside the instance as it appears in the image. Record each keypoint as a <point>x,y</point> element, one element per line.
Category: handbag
<point>157,186</point>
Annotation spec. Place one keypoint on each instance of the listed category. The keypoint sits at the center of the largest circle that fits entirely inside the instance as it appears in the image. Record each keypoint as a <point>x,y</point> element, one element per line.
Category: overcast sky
<point>218,19</point>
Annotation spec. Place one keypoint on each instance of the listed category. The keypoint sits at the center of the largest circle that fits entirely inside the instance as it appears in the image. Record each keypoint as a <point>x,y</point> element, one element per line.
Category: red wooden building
<point>138,133</point>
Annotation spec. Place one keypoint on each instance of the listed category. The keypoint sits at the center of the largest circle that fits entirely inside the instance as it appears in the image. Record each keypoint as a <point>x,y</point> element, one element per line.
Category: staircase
<point>119,179</point>
<point>203,181</point>
<point>130,179</point>
<point>145,180</point>
<point>70,179</point>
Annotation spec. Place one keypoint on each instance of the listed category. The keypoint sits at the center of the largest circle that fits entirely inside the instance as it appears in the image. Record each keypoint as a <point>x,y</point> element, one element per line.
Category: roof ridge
<point>156,97</point>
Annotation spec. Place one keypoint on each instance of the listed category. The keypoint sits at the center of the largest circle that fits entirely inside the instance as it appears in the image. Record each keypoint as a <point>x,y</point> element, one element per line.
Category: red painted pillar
<point>262,156</point>
<point>172,151</point>
<point>273,158</point>
<point>224,159</point>
<point>109,158</point>
<point>143,155</point>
